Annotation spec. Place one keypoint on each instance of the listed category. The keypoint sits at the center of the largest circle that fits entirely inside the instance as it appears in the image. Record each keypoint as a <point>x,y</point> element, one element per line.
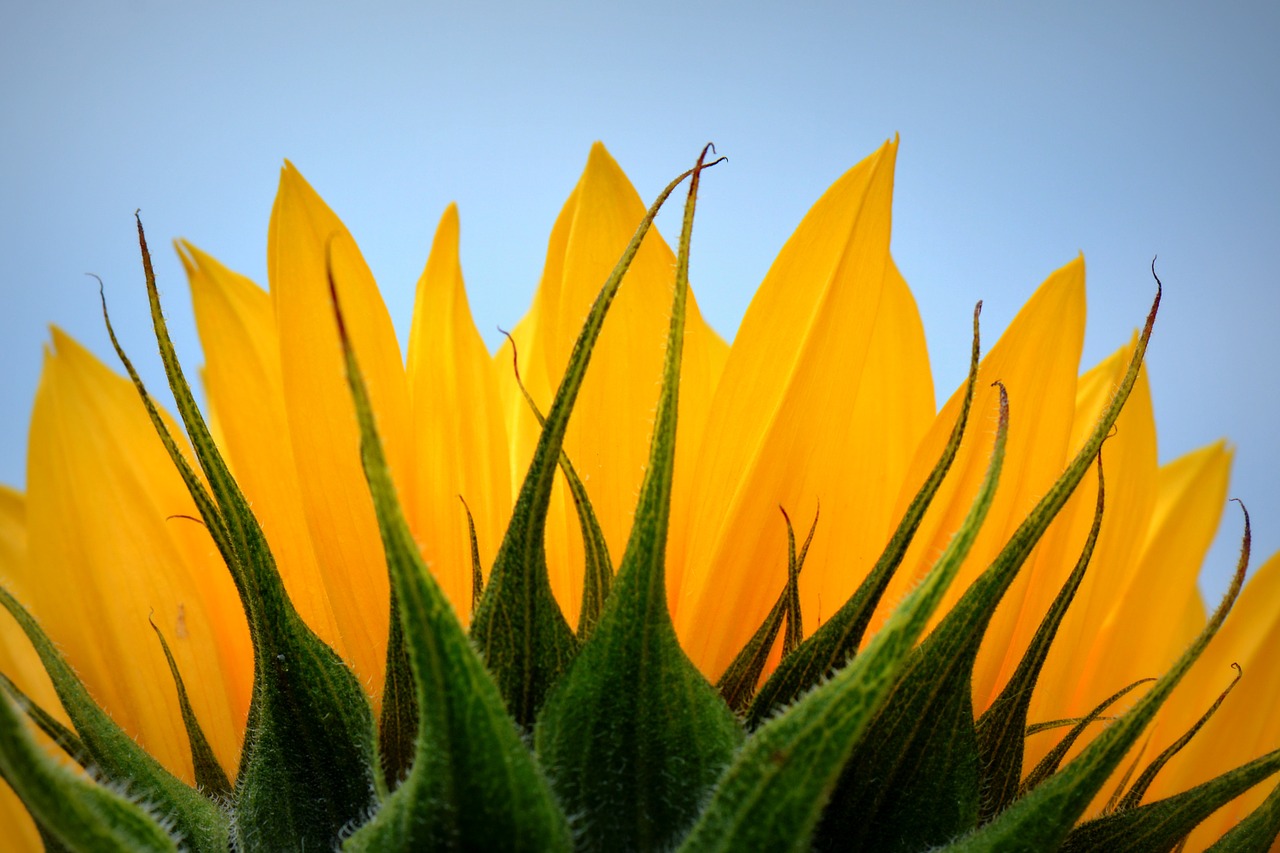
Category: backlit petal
<point>802,417</point>
<point>608,437</point>
<point>242,377</point>
<point>1036,359</point>
<point>321,417</point>
<point>460,438</point>
<point>96,467</point>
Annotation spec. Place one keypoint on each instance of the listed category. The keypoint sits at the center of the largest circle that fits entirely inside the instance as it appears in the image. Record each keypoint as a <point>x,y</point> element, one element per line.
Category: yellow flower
<point>823,402</point>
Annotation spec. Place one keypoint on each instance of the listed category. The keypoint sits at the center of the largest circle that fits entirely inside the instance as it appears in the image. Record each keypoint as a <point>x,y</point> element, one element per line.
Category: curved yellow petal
<point>822,401</point>
<point>608,437</point>
<point>1036,359</point>
<point>18,661</point>
<point>95,467</point>
<point>459,435</point>
<point>1131,470</point>
<point>317,400</point>
<point>1245,726</point>
<point>242,377</point>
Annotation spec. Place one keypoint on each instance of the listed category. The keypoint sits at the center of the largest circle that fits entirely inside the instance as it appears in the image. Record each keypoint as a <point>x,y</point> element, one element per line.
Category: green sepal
<point>1001,728</point>
<point>398,723</point>
<point>634,736</point>
<point>519,627</point>
<point>1042,819</point>
<point>1159,826</point>
<point>65,739</point>
<point>473,783</point>
<point>1257,832</point>
<point>773,793</point>
<point>1052,760</point>
<point>924,756</point>
<point>738,682</point>
<point>1135,794</point>
<point>78,813</point>
<point>838,640</point>
<point>597,574</point>
<point>211,779</point>
<point>794,634</point>
<point>308,767</point>
<point>477,576</point>
<point>117,757</point>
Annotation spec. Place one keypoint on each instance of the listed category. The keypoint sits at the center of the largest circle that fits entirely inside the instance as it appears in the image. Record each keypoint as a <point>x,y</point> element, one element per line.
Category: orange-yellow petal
<point>822,401</point>
<point>305,238</point>
<point>1130,466</point>
<point>1131,471</point>
<point>1036,359</point>
<point>18,660</point>
<point>608,437</point>
<point>459,436</point>
<point>242,378</point>
<point>1246,725</point>
<point>109,517</point>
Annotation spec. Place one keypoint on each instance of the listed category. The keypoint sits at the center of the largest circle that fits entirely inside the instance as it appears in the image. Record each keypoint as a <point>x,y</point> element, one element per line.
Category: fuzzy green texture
<point>525,733</point>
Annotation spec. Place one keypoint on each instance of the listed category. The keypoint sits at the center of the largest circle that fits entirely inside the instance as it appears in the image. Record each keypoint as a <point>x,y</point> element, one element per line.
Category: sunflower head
<point>461,605</point>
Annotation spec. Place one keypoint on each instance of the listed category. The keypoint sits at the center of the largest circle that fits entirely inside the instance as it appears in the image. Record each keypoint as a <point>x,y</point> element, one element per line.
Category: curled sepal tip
<point>634,736</point>
<point>519,627</point>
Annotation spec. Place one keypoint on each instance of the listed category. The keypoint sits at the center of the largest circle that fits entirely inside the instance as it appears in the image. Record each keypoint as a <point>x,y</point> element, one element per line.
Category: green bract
<point>525,733</point>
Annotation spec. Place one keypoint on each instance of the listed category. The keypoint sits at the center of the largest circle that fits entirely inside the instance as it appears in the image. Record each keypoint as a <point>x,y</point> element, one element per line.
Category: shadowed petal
<point>92,448</point>
<point>459,436</point>
<point>322,422</point>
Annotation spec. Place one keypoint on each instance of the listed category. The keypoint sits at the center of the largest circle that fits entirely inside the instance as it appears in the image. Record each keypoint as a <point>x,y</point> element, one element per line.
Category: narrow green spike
<point>477,577</point>
<point>739,680</point>
<point>1000,729</point>
<point>1148,775</point>
<point>1042,819</point>
<point>473,784</point>
<point>794,635</point>
<point>116,755</point>
<point>1048,765</point>
<point>519,626</point>
<point>398,723</point>
<point>308,767</point>
<point>80,814</point>
<point>838,640</point>
<point>1036,728</point>
<point>1157,827</point>
<point>923,756</point>
<point>1257,832</point>
<point>211,779</point>
<point>773,793</point>
<point>65,738</point>
<point>597,572</point>
<point>633,736</point>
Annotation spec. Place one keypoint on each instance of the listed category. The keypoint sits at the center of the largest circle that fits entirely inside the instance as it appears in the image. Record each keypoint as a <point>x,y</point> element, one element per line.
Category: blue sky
<point>1028,134</point>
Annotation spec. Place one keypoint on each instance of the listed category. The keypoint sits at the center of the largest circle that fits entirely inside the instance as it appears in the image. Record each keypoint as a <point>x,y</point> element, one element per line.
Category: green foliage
<point>539,737</point>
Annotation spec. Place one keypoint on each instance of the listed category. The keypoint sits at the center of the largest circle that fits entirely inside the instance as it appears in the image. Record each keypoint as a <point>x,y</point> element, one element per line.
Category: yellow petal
<point>823,399</point>
<point>1246,725</point>
<point>1036,359</point>
<point>103,518</point>
<point>1130,464</point>
<point>1130,467</point>
<point>608,437</point>
<point>460,438</point>
<point>321,416</point>
<point>242,377</point>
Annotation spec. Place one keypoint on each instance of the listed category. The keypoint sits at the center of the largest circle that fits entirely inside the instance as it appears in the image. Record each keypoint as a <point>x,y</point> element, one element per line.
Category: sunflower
<point>622,584</point>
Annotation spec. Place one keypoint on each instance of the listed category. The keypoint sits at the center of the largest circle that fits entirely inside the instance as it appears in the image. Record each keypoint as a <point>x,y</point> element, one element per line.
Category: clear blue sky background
<point>1028,134</point>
